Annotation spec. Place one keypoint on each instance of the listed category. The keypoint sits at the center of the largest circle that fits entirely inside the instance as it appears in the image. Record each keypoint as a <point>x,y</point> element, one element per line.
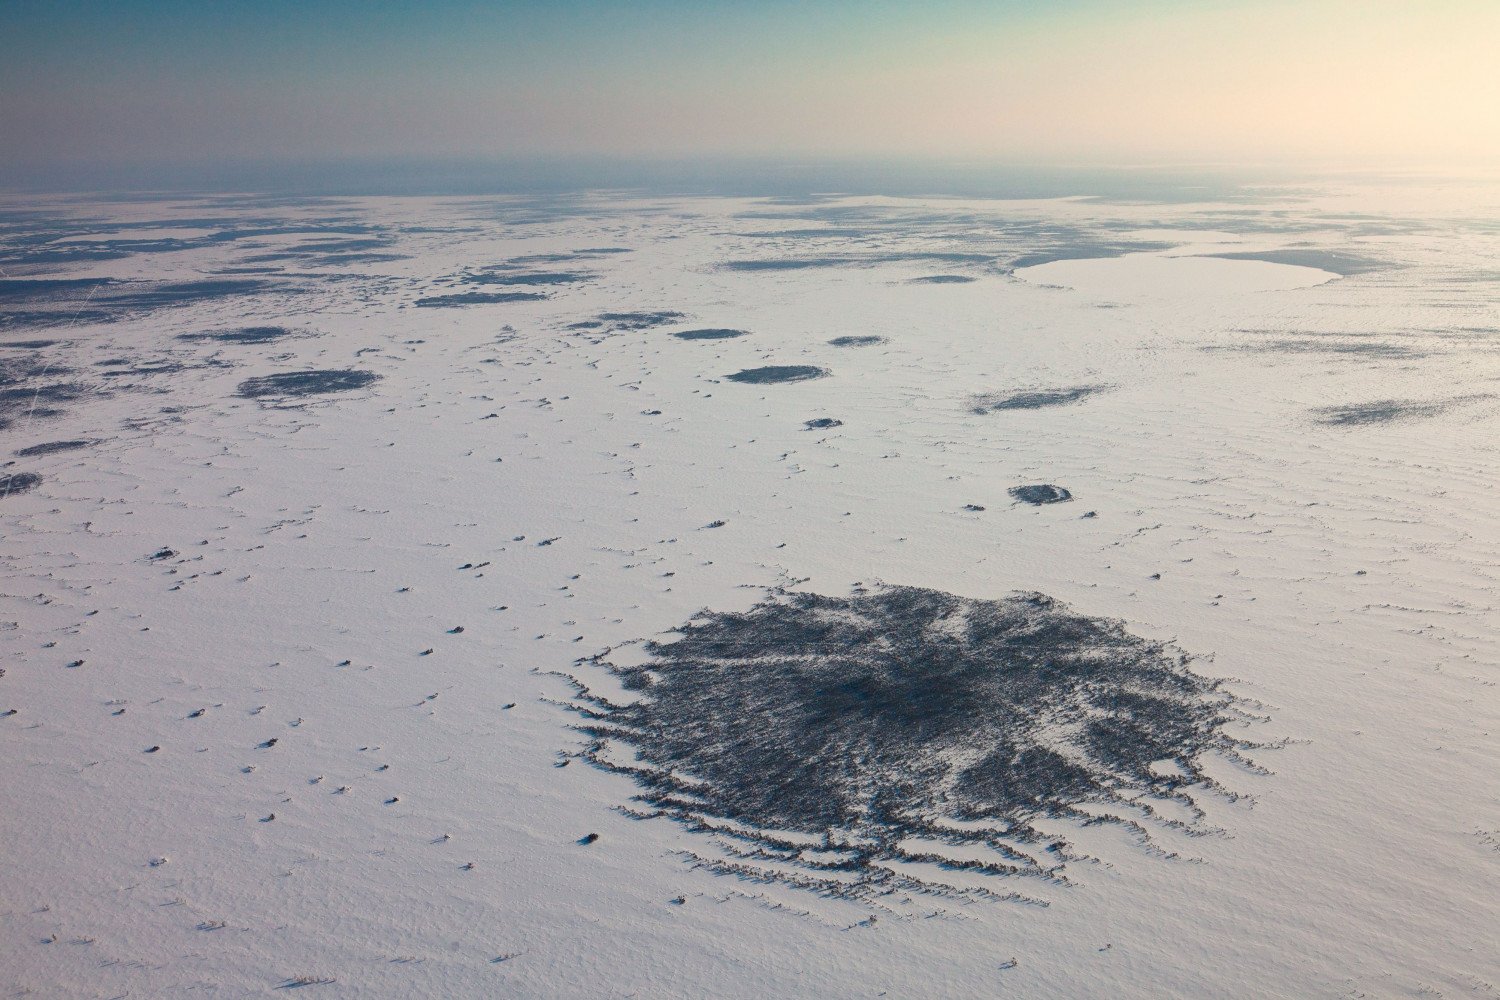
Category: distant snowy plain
<point>322,514</point>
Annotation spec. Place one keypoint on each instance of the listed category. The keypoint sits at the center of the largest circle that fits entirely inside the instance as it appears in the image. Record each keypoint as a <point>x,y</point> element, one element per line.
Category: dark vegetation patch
<point>475,299</point>
<point>17,369</point>
<point>772,374</point>
<point>308,383</point>
<point>43,319</point>
<point>1040,493</point>
<point>943,279</point>
<point>1355,349</point>
<point>709,334</point>
<point>640,320</point>
<point>834,743</point>
<point>175,293</point>
<point>830,232</point>
<point>343,259</point>
<point>526,278</point>
<point>1035,400</point>
<point>48,393</point>
<point>49,289</point>
<point>48,258</point>
<point>40,252</point>
<point>848,260</point>
<point>278,257</point>
<point>52,448</point>
<point>867,341</point>
<point>29,345</point>
<point>1387,411</point>
<point>822,423</point>
<point>343,246</point>
<point>12,483</point>
<point>25,391</point>
<point>244,335</point>
<point>63,301</point>
<point>160,367</point>
<point>592,253</point>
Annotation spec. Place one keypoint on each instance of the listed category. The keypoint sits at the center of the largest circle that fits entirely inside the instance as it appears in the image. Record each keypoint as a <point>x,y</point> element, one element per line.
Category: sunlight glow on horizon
<point>1084,81</point>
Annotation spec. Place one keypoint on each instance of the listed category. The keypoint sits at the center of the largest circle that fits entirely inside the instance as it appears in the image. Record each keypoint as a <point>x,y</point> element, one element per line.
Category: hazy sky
<point>1014,80</point>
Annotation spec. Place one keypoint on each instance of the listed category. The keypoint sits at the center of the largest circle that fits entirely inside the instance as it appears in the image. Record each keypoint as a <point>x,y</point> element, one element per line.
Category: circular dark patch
<point>772,374</point>
<point>309,383</point>
<point>855,341</point>
<point>846,745</point>
<point>822,423</point>
<point>12,483</point>
<point>1040,493</point>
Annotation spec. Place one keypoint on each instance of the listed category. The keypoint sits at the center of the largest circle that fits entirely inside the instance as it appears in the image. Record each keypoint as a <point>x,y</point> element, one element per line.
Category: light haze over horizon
<point>1019,81</point>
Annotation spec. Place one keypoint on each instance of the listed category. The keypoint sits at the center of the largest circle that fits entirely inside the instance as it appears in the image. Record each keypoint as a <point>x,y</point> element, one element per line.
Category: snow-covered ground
<point>292,680</point>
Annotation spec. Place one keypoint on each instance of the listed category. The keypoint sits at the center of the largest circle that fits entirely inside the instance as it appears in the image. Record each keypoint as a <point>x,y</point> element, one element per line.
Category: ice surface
<point>290,682</point>
<point>1143,275</point>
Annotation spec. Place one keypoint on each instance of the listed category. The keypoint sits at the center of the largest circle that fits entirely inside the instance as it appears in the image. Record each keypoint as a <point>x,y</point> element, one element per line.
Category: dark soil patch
<point>1388,411</point>
<point>164,368</point>
<point>52,448</point>
<point>850,260</point>
<point>1040,493</point>
<point>773,374</point>
<point>49,289</point>
<point>39,401</point>
<point>991,402</point>
<point>13,483</point>
<point>709,334</point>
<point>1354,349</point>
<point>460,299</point>
<point>527,278</point>
<point>818,737</point>
<point>309,383</point>
<point>640,320</point>
<point>244,335</point>
<point>155,296</point>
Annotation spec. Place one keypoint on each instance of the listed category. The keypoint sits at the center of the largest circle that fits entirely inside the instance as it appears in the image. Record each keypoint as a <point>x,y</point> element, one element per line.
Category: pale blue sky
<point>1013,80</point>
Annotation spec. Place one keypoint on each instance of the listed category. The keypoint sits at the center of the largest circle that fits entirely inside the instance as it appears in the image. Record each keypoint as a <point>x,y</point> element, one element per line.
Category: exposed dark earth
<point>821,737</point>
<point>309,383</point>
<point>716,334</point>
<point>1036,400</point>
<point>1040,493</point>
<point>773,374</point>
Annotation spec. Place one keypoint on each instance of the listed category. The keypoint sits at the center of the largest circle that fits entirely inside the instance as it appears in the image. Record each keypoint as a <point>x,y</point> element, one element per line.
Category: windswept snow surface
<point>338,630</point>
